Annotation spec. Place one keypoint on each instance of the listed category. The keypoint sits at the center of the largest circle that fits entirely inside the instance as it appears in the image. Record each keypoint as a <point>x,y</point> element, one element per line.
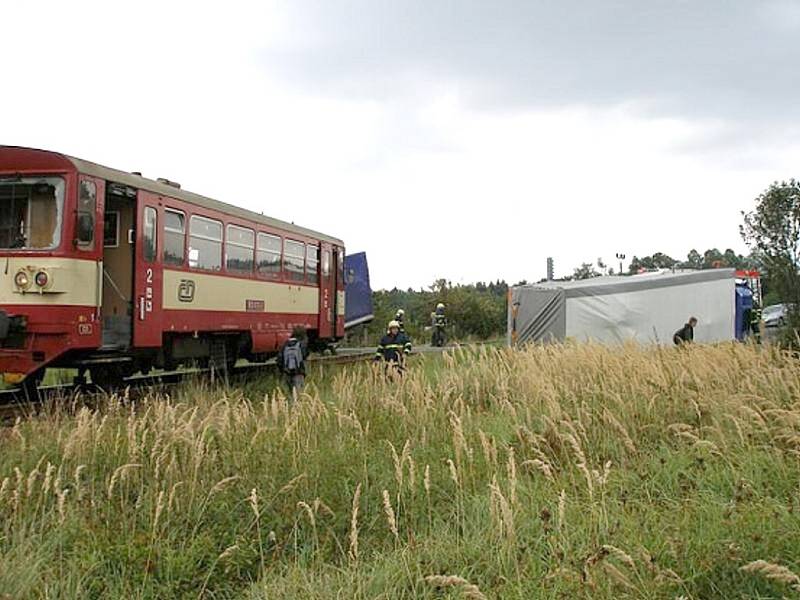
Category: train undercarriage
<point>109,367</point>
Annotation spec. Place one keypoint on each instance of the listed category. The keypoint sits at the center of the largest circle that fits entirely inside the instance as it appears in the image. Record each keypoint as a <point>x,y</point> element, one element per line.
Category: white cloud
<point>575,184</point>
<point>781,14</point>
<point>427,181</point>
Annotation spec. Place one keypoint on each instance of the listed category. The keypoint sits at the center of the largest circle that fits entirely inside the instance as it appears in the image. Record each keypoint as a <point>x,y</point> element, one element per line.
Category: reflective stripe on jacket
<point>393,347</point>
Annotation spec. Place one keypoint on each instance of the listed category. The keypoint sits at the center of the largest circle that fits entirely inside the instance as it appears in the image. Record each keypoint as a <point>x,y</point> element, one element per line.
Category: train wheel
<point>30,385</point>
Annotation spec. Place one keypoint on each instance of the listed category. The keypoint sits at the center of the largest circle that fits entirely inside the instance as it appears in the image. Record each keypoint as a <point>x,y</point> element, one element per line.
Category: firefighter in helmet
<point>399,316</point>
<point>393,348</point>
<point>439,323</point>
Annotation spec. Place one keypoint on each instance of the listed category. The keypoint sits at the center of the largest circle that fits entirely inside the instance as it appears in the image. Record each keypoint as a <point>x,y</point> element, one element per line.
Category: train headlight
<point>21,280</point>
<point>42,279</point>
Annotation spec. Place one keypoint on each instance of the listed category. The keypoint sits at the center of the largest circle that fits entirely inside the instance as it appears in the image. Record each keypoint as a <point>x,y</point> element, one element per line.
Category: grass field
<point>559,472</point>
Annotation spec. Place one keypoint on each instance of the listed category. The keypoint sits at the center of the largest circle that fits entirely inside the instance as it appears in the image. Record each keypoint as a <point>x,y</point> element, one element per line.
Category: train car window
<point>84,219</point>
<point>149,234</point>
<point>294,259</point>
<point>326,263</point>
<point>268,255</point>
<point>340,265</point>
<point>239,246</point>
<point>312,264</point>
<point>31,211</point>
<point>174,237</point>
<point>205,243</point>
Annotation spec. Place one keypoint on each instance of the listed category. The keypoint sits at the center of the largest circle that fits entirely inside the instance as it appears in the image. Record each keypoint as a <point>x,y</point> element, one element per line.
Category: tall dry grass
<point>572,471</point>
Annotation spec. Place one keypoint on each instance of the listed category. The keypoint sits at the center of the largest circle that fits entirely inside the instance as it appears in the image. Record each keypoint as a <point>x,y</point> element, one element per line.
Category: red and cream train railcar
<point>114,273</point>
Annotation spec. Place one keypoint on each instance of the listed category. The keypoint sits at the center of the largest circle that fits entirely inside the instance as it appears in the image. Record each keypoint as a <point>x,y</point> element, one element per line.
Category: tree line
<point>710,259</point>
<point>474,311</point>
<point>478,310</point>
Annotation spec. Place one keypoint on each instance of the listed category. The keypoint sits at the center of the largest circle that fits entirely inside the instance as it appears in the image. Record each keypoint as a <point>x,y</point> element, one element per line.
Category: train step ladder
<point>218,360</point>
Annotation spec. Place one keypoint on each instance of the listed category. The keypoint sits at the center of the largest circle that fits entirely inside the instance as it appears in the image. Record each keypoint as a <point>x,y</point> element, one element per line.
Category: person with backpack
<point>291,361</point>
<point>685,335</point>
<point>393,349</point>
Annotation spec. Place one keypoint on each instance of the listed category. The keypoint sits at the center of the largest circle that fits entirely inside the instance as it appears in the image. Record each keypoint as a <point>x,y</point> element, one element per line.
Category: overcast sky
<point>459,139</point>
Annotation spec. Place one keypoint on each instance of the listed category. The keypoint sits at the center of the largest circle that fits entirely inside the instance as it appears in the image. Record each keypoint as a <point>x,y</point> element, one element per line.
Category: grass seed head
<point>453,471</point>
<point>467,589</point>
<point>32,477</point>
<point>222,483</point>
<point>62,499</point>
<point>4,488</point>
<point>353,552</point>
<point>620,555</point>
<point>541,466</point>
<point>389,512</point>
<point>228,552</point>
<point>309,513</point>
<point>562,509</point>
<point>291,484</point>
<point>119,473</point>
<point>773,571</point>
<point>48,478</point>
<point>620,428</point>
<point>253,500</point>
<point>159,510</point>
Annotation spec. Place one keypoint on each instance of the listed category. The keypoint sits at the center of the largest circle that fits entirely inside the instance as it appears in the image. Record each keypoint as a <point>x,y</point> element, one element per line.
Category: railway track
<point>14,403</point>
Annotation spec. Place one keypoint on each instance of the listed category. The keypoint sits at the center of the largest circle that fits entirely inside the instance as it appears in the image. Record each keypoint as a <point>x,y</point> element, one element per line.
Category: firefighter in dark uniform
<point>393,349</point>
<point>439,323</point>
<point>685,335</point>
<point>399,316</point>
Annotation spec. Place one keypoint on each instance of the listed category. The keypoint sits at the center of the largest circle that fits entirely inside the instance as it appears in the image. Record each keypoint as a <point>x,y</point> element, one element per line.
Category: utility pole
<point>620,258</point>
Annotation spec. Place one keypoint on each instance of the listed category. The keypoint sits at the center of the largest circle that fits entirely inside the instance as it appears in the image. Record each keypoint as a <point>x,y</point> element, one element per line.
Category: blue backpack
<point>292,357</point>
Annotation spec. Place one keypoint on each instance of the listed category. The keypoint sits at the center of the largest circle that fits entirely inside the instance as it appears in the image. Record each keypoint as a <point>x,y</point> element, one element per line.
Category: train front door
<point>147,301</point>
<point>327,292</point>
<point>117,308</point>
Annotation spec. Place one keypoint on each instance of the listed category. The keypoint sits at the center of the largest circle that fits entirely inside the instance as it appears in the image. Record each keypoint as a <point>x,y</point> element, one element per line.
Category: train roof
<point>157,187</point>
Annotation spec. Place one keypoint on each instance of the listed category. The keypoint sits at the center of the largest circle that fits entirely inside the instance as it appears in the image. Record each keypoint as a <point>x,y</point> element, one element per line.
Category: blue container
<point>358,294</point>
<point>744,306</point>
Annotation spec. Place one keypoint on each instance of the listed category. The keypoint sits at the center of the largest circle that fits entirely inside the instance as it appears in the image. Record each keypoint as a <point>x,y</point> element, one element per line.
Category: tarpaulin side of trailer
<point>536,315</point>
<point>645,308</point>
<point>358,294</point>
